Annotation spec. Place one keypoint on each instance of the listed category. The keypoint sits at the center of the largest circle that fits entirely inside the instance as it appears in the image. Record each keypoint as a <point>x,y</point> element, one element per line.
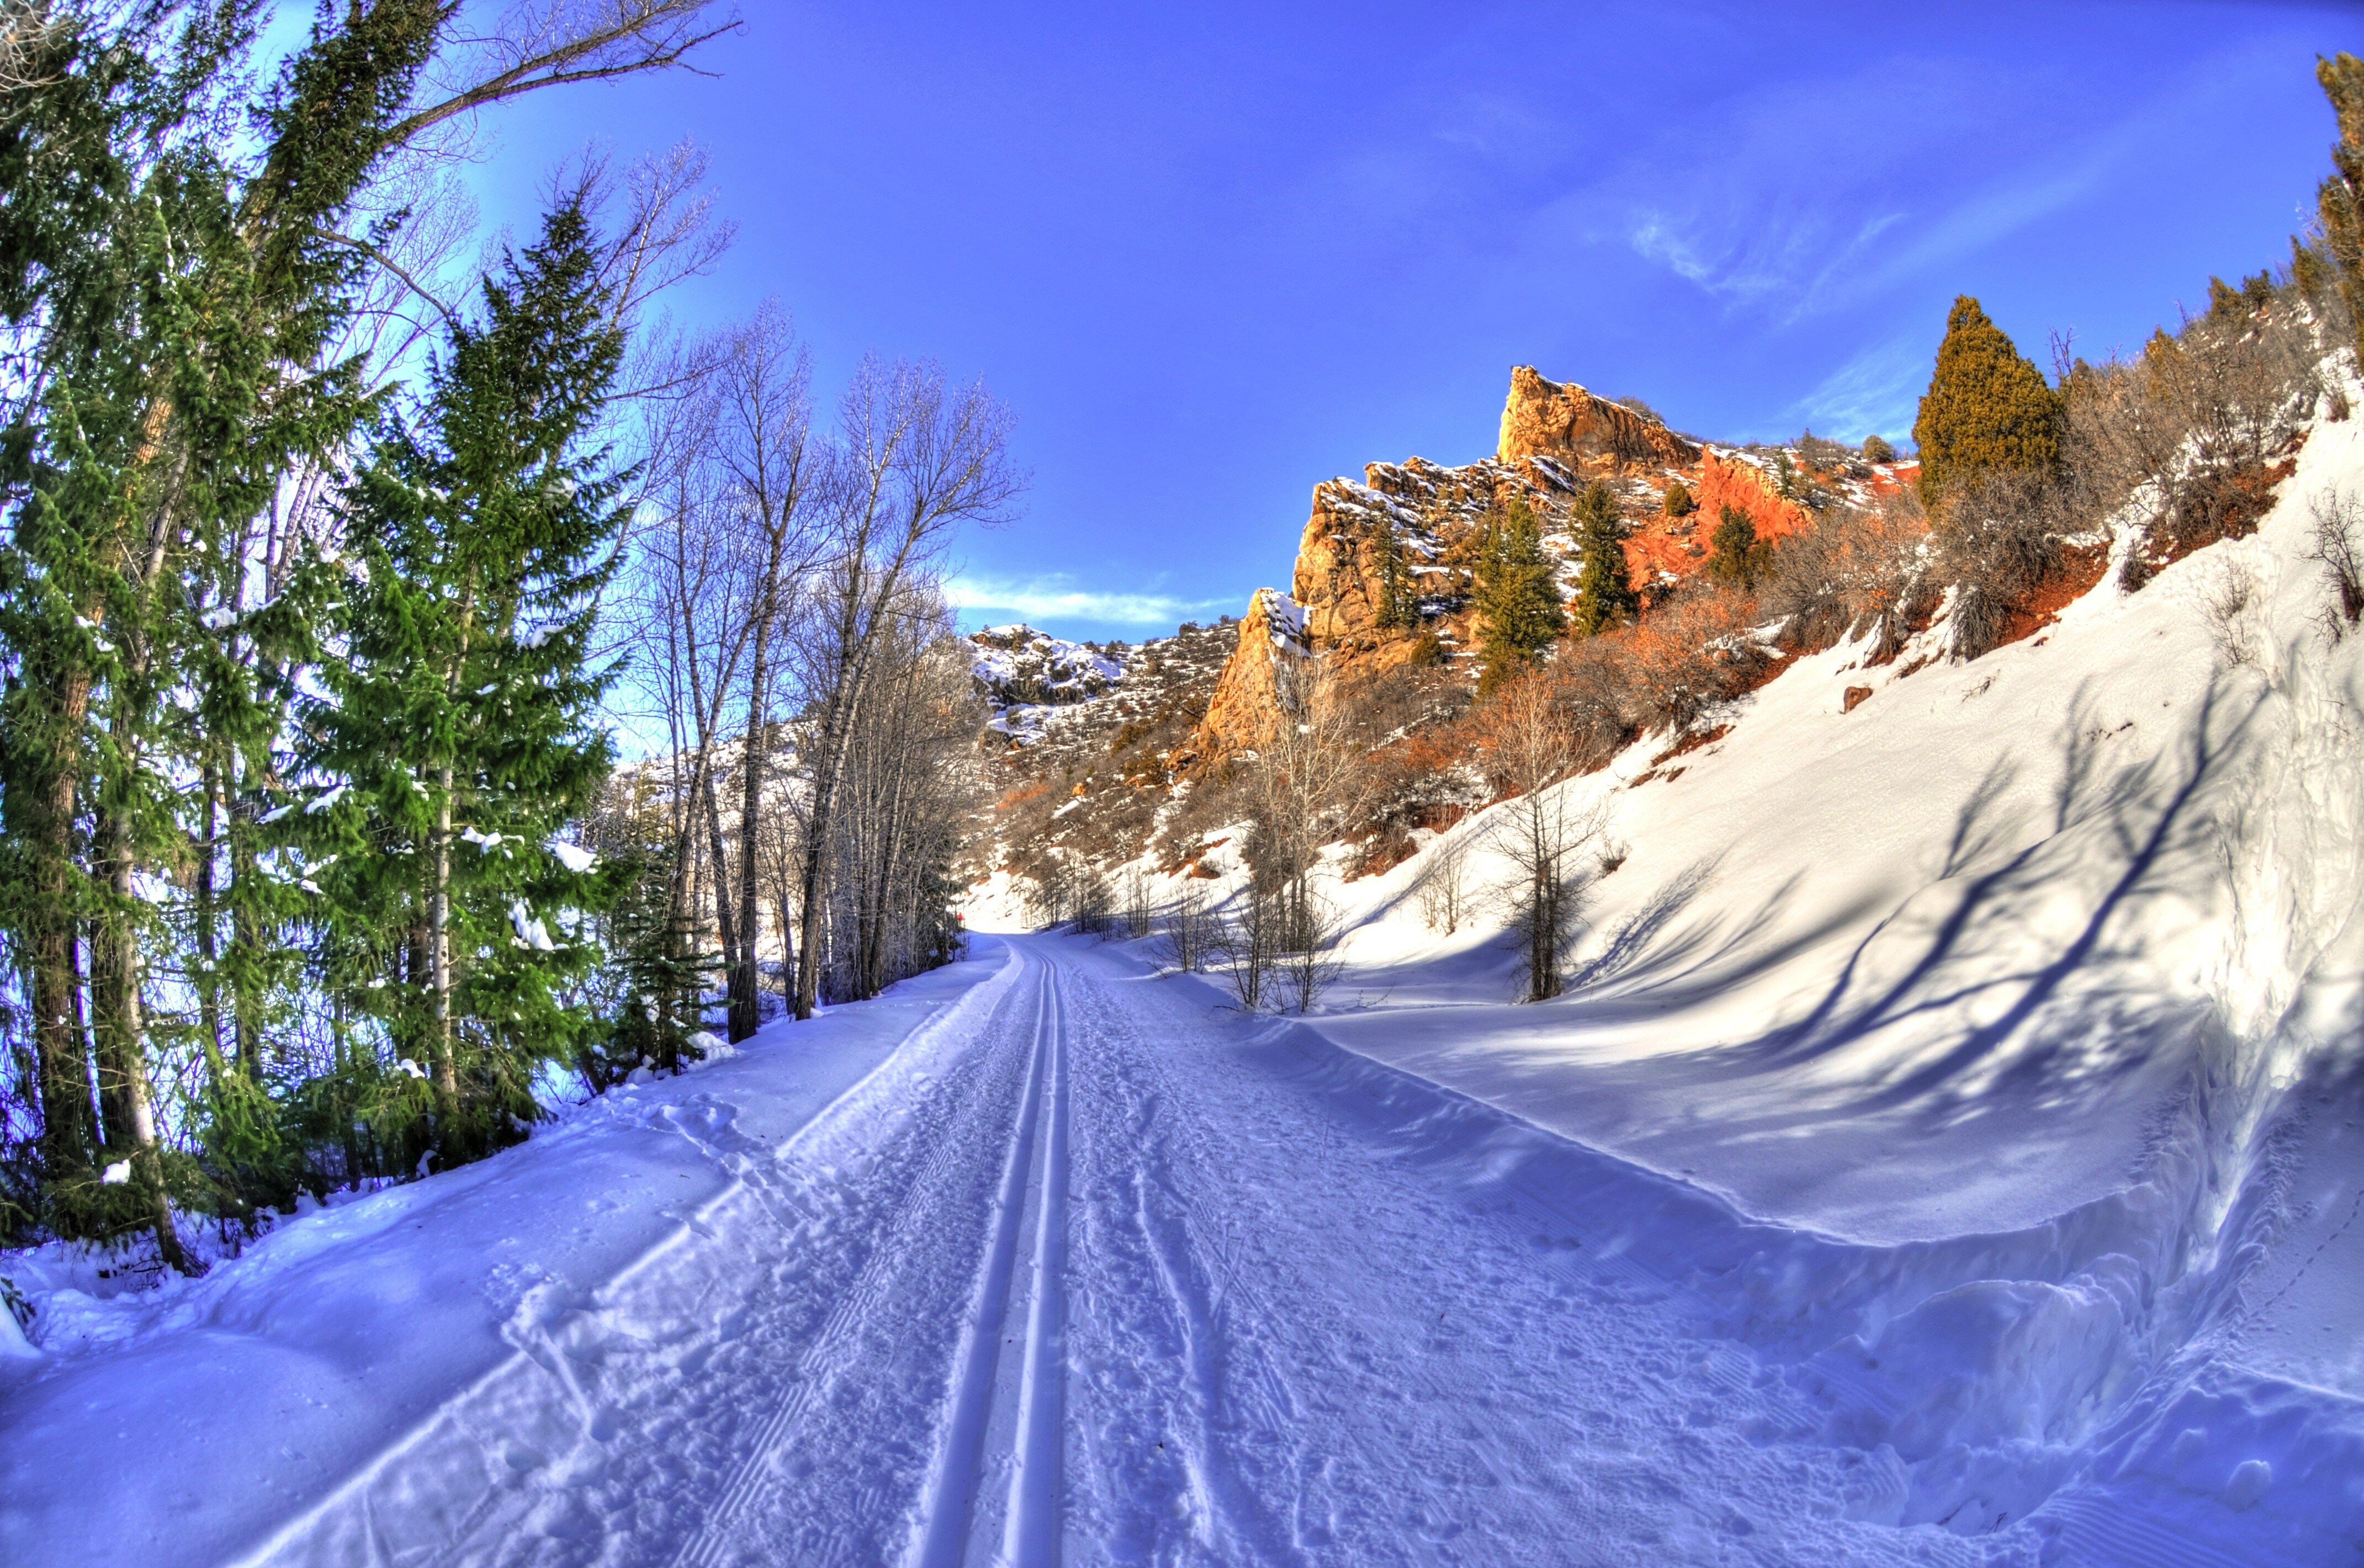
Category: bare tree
<point>1309,960</point>
<point>1441,886</point>
<point>920,460</point>
<point>1140,915</point>
<point>1188,926</point>
<point>773,475</point>
<point>906,783</point>
<point>2333,542</point>
<point>1532,750</point>
<point>1246,943</point>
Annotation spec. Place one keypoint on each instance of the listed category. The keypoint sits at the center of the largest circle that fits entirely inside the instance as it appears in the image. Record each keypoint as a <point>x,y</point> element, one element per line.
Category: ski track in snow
<point>1093,1270</point>
<point>1119,1278</point>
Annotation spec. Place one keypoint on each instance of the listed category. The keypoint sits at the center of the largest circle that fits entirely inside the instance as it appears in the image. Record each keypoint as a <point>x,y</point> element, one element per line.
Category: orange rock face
<point>1736,482</point>
<point>1561,419</point>
<point>1257,682</point>
<point>1418,520</point>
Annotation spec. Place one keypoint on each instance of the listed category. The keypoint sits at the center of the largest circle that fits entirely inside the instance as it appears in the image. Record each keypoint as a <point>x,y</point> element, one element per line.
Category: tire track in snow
<point>1155,1150</point>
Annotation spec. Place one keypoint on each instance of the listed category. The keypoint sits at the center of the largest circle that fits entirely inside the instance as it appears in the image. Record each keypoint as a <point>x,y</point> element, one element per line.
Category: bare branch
<point>390,264</point>
<point>546,43</point>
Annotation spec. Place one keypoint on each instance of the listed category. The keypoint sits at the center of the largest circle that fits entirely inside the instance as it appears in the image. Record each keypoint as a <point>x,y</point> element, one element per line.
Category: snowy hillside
<point>1988,1048</point>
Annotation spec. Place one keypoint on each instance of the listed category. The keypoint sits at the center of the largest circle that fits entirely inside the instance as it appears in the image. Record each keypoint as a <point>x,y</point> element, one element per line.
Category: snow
<point>336,1353</point>
<point>574,856</point>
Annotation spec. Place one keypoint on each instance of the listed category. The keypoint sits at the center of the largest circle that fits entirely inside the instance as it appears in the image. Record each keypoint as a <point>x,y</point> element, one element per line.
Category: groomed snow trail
<point>1118,1276</point>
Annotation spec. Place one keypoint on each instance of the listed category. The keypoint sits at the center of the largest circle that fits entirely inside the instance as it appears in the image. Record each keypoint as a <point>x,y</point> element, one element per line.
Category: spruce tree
<point>1518,601</point>
<point>1399,608</point>
<point>1604,591</point>
<point>456,736</point>
<point>1736,555</point>
<point>1987,410</point>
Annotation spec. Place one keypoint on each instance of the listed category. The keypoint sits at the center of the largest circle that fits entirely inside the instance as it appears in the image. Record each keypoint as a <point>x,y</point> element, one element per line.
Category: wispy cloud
<point>1058,598</point>
<point>1873,390</point>
<point>1822,194</point>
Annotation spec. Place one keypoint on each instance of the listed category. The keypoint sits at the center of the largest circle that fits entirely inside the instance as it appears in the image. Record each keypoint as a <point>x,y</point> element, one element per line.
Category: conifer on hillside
<point>1678,501</point>
<point>1519,611</point>
<point>1987,410</point>
<point>2339,200</point>
<point>1604,589</point>
<point>1399,598</point>
<point>1736,556</point>
<point>1875,448</point>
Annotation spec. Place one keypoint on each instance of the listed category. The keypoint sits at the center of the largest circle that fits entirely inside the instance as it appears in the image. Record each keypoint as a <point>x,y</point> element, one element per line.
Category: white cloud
<point>1057,598</point>
<point>1877,390</point>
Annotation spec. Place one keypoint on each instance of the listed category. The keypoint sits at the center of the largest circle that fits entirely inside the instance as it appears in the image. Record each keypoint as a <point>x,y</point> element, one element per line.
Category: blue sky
<point>1214,255</point>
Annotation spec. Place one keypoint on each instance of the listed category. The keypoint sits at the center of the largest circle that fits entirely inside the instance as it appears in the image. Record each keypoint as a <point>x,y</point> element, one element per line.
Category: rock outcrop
<point>1735,481</point>
<point>1384,568</point>
<point>1258,683</point>
<point>1561,419</point>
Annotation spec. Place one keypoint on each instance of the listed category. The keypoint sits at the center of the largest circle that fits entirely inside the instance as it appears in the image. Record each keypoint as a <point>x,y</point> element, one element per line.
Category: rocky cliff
<point>1259,680</point>
<point>1727,480</point>
<point>1384,569</point>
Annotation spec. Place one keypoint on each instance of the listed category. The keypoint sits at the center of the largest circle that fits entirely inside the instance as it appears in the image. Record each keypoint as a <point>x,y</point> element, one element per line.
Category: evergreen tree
<point>181,306</point>
<point>1518,601</point>
<point>1736,555</point>
<point>1398,607</point>
<point>2339,200</point>
<point>456,738</point>
<point>1679,502</point>
<point>1987,410</point>
<point>1604,591</point>
<point>1875,448</point>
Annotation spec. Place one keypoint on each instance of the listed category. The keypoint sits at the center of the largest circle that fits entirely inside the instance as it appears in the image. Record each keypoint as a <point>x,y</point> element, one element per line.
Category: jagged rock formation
<point>1257,682</point>
<point>1561,419</point>
<point>1735,481</point>
<point>1384,569</point>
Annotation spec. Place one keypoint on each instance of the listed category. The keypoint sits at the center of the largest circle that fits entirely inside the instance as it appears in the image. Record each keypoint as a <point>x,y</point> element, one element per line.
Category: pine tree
<point>1678,501</point>
<point>456,738</point>
<point>1518,601</point>
<point>1398,607</point>
<point>2339,200</point>
<point>1736,555</point>
<point>1604,591</point>
<point>1875,448</point>
<point>1987,410</point>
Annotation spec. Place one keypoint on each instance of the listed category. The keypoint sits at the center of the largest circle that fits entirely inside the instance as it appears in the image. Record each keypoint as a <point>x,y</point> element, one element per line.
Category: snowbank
<point>366,1330</point>
<point>1987,1056</point>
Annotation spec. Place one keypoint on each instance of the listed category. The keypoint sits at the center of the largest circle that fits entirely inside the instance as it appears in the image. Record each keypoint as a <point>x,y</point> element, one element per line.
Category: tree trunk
<point>122,1051</point>
<point>745,1011</point>
<point>69,1122</point>
<point>724,916</point>
<point>439,953</point>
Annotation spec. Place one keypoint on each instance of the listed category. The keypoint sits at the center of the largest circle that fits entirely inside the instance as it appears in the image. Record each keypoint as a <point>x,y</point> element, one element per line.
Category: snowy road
<point>1094,1270</point>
